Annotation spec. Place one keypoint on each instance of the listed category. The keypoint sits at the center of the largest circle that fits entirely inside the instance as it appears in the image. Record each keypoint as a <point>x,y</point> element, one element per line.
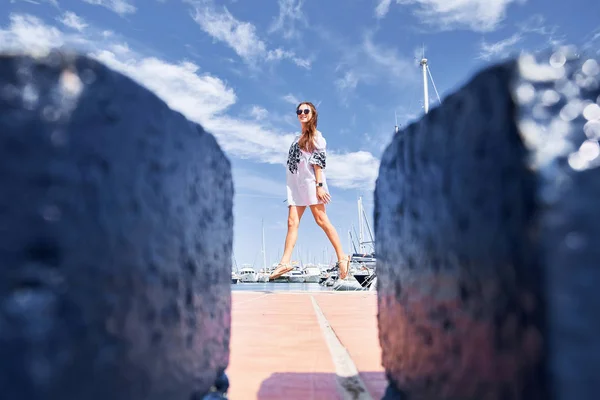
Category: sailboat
<point>263,275</point>
<point>363,262</point>
<point>235,277</point>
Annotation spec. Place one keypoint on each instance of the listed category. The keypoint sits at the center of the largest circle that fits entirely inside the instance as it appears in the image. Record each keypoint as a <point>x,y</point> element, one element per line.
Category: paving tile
<point>278,350</point>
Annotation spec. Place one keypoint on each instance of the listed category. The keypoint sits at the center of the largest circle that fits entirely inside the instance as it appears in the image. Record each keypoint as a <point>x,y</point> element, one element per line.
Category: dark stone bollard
<point>116,234</point>
<point>487,223</point>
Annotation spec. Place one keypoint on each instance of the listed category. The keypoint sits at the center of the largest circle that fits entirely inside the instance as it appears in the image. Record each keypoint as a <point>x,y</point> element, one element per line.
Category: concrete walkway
<point>305,345</point>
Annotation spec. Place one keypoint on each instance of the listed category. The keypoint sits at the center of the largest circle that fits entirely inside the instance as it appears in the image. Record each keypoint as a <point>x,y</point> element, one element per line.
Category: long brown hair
<point>309,133</point>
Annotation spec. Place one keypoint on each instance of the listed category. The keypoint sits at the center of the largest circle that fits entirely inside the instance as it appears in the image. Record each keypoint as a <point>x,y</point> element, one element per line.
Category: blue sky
<point>239,67</point>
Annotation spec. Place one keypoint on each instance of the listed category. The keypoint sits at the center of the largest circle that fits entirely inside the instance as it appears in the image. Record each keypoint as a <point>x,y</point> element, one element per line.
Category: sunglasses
<point>306,111</point>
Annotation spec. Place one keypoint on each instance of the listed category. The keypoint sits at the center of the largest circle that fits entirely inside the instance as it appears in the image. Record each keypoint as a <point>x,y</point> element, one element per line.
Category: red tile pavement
<point>278,334</point>
<point>353,317</point>
<point>277,345</point>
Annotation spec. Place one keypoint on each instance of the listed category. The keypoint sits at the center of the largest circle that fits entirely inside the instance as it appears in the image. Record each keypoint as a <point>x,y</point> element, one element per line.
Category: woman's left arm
<point>321,192</point>
<point>319,154</point>
<point>318,174</point>
<point>319,160</point>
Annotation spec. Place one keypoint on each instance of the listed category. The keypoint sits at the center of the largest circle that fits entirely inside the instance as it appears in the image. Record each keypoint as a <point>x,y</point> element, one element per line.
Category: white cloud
<point>348,82</point>
<point>258,112</point>
<point>280,54</point>
<point>27,32</point>
<point>241,36</point>
<point>72,20</point>
<point>356,170</point>
<point>536,24</point>
<point>52,2</point>
<point>533,26</point>
<point>290,98</point>
<point>290,12</point>
<point>592,42</point>
<point>501,48</point>
<point>121,7</point>
<point>382,8</point>
<point>370,63</point>
<point>201,97</point>
<point>387,59</point>
<point>478,15</point>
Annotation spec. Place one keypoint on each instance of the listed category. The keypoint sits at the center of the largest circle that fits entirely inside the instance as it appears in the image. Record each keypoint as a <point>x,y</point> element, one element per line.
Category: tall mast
<point>263,247</point>
<point>426,71</point>
<point>361,234</point>
<point>425,82</point>
<point>349,241</point>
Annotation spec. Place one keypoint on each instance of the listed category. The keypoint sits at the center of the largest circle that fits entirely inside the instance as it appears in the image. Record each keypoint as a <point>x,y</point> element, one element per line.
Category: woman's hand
<point>322,195</point>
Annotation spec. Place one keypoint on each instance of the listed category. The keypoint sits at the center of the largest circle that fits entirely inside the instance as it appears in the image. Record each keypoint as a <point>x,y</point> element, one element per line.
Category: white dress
<point>300,172</point>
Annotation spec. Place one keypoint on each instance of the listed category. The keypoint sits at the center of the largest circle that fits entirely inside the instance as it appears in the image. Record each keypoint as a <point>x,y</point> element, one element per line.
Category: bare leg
<point>294,216</point>
<point>321,218</point>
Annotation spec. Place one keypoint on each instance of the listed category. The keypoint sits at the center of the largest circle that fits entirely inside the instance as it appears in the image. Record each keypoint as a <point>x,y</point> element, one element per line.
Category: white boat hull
<point>249,279</point>
<point>263,278</point>
<point>312,278</point>
<point>347,285</point>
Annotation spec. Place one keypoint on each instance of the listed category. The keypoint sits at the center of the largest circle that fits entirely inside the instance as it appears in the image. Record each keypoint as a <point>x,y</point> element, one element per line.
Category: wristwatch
<point>319,184</point>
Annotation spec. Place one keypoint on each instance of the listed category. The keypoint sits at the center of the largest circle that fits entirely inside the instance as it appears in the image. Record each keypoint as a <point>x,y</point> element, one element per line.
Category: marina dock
<point>305,345</point>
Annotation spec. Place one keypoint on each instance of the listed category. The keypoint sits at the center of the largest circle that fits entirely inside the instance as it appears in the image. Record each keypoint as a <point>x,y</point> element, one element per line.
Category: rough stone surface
<point>115,239</point>
<point>570,232</point>
<point>485,214</point>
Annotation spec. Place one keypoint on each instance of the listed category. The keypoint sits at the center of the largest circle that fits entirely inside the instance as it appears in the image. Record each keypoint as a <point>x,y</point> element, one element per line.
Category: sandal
<point>339,263</point>
<point>281,269</point>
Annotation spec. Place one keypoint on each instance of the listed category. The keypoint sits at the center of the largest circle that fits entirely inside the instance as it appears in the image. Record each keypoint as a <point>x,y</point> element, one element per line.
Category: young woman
<point>307,187</point>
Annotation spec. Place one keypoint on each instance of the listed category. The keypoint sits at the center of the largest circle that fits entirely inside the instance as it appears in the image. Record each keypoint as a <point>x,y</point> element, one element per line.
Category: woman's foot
<point>344,266</point>
<point>281,269</point>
